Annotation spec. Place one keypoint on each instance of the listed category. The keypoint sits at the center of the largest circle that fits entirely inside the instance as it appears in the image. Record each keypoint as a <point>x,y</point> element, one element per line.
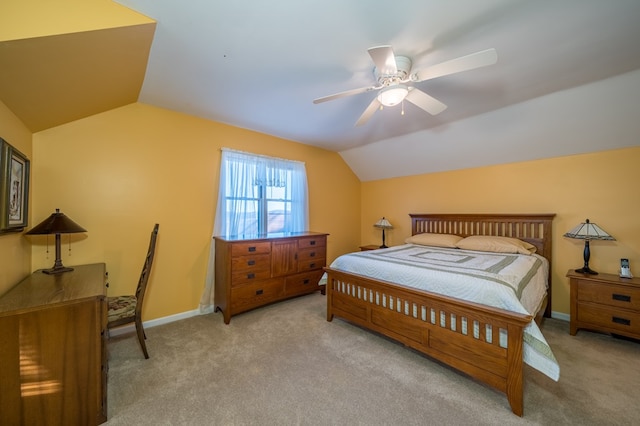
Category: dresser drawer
<point>312,242</point>
<point>312,253</point>
<point>303,283</point>
<point>610,295</point>
<point>256,294</point>
<point>243,249</point>
<point>611,318</point>
<point>311,264</point>
<point>256,262</point>
<point>249,275</point>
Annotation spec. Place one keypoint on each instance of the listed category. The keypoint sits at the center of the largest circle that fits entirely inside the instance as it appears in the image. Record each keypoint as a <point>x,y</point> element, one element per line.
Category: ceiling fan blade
<point>344,94</point>
<point>368,113</point>
<point>424,101</point>
<point>463,63</point>
<point>384,59</point>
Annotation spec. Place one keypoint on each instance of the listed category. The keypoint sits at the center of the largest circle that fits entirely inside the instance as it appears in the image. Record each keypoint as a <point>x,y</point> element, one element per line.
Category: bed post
<point>328,286</point>
<point>515,381</point>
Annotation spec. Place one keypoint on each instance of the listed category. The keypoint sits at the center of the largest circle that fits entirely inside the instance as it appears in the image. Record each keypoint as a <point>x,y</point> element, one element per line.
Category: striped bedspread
<point>511,282</point>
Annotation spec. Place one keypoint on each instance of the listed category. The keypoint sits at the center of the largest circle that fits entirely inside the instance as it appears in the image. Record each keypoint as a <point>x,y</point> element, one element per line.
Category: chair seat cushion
<point>121,307</point>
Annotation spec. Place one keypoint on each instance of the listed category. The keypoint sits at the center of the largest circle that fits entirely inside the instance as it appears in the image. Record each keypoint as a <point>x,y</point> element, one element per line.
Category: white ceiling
<point>259,65</point>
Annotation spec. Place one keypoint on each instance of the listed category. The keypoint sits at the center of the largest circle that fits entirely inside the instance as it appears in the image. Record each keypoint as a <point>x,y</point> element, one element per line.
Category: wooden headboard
<point>532,228</point>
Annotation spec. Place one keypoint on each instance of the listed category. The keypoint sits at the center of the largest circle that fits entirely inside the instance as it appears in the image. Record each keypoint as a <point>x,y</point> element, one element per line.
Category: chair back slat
<point>146,269</point>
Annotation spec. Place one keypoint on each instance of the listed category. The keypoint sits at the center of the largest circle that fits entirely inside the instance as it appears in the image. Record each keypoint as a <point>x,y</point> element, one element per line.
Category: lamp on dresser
<point>588,231</point>
<point>383,224</point>
<point>56,224</point>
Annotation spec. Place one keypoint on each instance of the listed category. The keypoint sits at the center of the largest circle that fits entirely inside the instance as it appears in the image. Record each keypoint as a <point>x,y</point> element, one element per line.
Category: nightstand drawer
<point>610,295</point>
<point>610,318</point>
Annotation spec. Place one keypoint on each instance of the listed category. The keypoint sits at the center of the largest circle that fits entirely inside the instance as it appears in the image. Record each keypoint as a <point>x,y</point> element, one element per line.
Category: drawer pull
<point>622,321</point>
<point>621,297</point>
<point>252,249</point>
<point>251,262</point>
<point>312,243</point>
<point>259,292</point>
<point>305,282</point>
<point>312,254</point>
<point>312,265</point>
<point>251,276</point>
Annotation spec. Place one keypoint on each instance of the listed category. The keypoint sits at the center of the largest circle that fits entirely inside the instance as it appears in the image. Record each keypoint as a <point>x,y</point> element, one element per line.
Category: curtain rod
<point>260,155</point>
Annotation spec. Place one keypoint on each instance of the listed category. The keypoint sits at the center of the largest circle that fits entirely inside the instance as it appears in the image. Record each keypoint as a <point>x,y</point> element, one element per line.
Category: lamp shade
<point>589,231</point>
<point>383,223</point>
<point>57,223</point>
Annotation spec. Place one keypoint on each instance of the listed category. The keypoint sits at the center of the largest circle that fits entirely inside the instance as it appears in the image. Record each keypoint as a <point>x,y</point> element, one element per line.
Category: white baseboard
<point>129,328</point>
<point>561,316</point>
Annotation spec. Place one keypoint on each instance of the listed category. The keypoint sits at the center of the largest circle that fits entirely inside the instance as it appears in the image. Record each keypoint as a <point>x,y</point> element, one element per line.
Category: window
<point>260,194</point>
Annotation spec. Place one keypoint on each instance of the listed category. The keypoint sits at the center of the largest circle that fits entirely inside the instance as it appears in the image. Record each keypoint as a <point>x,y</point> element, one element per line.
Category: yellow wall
<point>118,173</point>
<point>598,186</point>
<point>15,250</point>
<point>20,19</point>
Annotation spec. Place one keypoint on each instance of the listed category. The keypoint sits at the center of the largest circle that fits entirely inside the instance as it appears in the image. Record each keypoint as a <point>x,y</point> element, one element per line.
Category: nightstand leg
<point>573,329</point>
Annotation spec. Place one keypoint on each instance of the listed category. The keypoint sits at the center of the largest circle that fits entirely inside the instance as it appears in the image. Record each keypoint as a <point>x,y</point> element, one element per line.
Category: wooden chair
<point>127,309</point>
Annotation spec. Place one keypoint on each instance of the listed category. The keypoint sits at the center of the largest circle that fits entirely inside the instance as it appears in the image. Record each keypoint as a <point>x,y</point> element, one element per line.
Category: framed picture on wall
<point>14,188</point>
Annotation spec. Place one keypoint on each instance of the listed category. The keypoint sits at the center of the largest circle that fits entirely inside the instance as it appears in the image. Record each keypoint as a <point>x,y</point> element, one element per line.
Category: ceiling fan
<point>394,78</point>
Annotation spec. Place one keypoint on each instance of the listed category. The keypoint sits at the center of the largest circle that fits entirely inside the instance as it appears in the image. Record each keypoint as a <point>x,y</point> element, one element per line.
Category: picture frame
<point>14,188</point>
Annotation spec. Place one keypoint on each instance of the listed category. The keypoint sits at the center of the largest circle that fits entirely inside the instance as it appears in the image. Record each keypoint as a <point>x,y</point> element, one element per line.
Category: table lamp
<point>588,231</point>
<point>383,224</point>
<point>56,224</point>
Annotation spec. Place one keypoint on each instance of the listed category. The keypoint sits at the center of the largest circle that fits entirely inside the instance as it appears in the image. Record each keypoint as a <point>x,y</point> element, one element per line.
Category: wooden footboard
<point>484,342</point>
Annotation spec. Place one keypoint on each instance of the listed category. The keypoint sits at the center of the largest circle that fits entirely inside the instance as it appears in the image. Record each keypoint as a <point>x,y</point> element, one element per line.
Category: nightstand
<point>369,247</point>
<point>606,303</point>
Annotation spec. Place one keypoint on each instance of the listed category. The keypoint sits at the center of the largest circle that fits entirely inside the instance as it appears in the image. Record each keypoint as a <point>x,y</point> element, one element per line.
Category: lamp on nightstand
<point>588,231</point>
<point>383,224</point>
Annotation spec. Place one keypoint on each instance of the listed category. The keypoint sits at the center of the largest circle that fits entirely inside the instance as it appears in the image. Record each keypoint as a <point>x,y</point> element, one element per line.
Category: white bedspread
<point>512,282</point>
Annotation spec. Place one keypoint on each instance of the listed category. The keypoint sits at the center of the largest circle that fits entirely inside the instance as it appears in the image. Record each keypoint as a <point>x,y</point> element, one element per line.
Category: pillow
<point>496,244</point>
<point>435,240</point>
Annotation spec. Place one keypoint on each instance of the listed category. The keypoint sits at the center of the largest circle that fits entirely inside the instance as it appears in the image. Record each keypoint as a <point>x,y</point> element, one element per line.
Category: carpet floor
<point>284,364</point>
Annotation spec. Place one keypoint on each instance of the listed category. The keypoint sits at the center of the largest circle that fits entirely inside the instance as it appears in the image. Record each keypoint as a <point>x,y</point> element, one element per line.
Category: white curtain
<point>237,213</point>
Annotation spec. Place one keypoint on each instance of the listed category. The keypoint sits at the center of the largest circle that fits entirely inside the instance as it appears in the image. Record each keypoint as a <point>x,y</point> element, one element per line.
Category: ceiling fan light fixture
<point>393,95</point>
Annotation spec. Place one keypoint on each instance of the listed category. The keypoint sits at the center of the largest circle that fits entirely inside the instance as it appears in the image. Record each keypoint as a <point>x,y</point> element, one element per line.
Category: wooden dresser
<point>606,303</point>
<point>255,271</point>
<point>53,362</point>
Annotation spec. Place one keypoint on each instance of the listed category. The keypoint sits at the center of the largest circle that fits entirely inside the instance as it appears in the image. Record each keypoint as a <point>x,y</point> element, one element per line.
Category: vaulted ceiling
<point>259,65</point>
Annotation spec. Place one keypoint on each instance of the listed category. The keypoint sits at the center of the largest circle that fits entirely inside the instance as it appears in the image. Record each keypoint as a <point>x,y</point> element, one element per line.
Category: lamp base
<point>383,246</point>
<point>56,270</point>
<point>586,270</point>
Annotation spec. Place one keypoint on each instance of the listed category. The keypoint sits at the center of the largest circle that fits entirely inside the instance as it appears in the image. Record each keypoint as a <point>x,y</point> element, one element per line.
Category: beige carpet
<point>286,365</point>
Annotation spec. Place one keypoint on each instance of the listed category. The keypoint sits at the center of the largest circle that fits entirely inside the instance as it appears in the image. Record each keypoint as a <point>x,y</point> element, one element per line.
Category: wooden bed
<point>484,360</point>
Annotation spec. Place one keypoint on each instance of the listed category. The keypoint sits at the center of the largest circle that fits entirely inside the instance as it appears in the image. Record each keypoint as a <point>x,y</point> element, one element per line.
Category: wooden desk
<point>53,361</point>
